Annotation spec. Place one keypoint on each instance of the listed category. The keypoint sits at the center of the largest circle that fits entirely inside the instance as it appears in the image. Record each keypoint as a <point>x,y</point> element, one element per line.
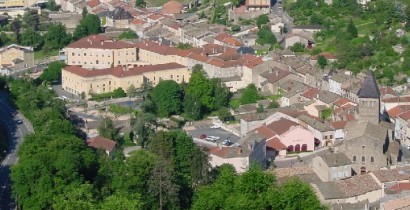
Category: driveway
<point>16,133</point>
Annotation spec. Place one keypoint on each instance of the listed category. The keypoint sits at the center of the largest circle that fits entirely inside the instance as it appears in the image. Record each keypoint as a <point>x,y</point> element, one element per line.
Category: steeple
<point>369,88</point>
<point>369,100</point>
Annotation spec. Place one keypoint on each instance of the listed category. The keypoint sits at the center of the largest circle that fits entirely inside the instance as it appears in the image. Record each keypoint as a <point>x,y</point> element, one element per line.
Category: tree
<point>56,37</point>
<point>407,12</point>
<point>235,28</point>
<point>265,36</point>
<point>131,91</point>
<point>89,25</point>
<point>224,114</point>
<point>184,46</point>
<point>322,61</point>
<point>52,72</point>
<point>32,38</point>
<point>128,34</point>
<point>31,19</point>
<point>84,13</point>
<point>192,107</point>
<point>351,29</point>
<point>16,28</point>
<point>140,3</point>
<point>249,95</point>
<point>144,125</point>
<point>167,98</point>
<point>298,47</point>
<point>122,201</point>
<point>262,20</point>
<point>119,93</point>
<point>52,6</point>
<point>260,109</point>
<point>107,130</point>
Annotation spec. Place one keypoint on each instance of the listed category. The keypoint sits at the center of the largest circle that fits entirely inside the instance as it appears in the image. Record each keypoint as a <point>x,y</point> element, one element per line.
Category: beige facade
<point>17,57</point>
<point>100,52</point>
<point>326,173</point>
<point>77,80</point>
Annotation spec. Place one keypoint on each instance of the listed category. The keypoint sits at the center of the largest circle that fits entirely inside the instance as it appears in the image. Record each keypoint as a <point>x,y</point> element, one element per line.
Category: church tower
<point>369,100</point>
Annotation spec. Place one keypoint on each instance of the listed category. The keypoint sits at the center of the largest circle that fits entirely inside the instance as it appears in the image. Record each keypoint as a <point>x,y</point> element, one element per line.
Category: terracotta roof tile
<point>357,185</point>
<point>339,124</point>
<point>100,142</point>
<point>281,126</point>
<point>171,7</point>
<point>100,42</point>
<point>275,144</point>
<point>398,110</point>
<point>342,101</point>
<point>93,3</point>
<point>388,90</point>
<point>310,93</point>
<point>391,175</point>
<point>228,39</point>
<point>397,99</point>
<point>138,22</point>
<point>119,70</point>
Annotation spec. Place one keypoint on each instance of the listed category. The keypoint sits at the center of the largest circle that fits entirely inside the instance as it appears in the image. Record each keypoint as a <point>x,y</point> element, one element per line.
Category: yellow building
<point>77,80</point>
<point>99,52</point>
<point>16,57</point>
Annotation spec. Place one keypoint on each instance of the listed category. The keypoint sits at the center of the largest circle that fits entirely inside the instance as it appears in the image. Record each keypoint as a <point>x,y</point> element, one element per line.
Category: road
<point>16,133</point>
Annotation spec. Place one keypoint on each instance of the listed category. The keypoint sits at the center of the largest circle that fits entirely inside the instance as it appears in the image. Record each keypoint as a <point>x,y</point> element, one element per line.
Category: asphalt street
<point>16,133</point>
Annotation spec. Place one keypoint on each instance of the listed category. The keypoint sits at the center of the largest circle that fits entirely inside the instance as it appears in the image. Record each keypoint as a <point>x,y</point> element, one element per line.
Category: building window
<point>363,159</point>
<point>363,147</point>
<point>96,61</point>
<point>372,159</point>
<point>331,136</point>
<point>109,82</point>
<point>72,54</point>
<point>154,78</point>
<point>119,62</point>
<point>354,158</point>
<point>172,76</point>
<point>85,54</point>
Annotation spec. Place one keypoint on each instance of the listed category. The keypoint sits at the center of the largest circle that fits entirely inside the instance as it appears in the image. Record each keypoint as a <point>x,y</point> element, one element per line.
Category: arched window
<point>372,159</point>
<point>354,158</point>
<point>290,148</point>
<point>304,147</point>
<point>297,147</point>
<point>363,159</point>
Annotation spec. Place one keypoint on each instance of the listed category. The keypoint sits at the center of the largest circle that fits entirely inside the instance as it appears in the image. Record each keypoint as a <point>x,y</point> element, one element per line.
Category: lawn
<point>38,55</point>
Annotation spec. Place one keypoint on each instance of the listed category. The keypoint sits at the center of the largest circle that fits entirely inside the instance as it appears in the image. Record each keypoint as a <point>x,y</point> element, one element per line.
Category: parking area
<point>205,129</point>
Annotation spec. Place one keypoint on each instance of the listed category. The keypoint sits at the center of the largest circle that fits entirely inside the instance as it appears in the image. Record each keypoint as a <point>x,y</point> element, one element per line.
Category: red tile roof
<point>281,126</point>
<point>100,42</point>
<point>398,110</point>
<point>138,22</point>
<point>388,90</point>
<point>100,142</point>
<point>311,93</point>
<point>405,115</point>
<point>342,101</point>
<point>154,17</point>
<point>339,124</point>
<point>93,3</point>
<point>119,71</point>
<point>400,186</point>
<point>397,99</point>
<point>228,39</point>
<point>171,7</point>
<point>275,144</point>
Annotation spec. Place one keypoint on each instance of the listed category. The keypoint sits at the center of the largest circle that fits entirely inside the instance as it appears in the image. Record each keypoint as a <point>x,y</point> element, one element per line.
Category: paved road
<point>205,129</point>
<point>16,132</point>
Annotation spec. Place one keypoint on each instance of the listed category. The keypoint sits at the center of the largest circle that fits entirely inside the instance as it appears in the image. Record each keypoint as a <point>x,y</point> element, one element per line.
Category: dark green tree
<point>32,38</point>
<point>265,36</point>
<point>167,98</point>
<point>192,107</point>
<point>31,19</point>
<point>52,6</point>
<point>119,93</point>
<point>140,3</point>
<point>16,28</point>
<point>262,20</point>
<point>84,13</point>
<point>52,72</point>
<point>107,130</point>
<point>249,95</point>
<point>56,37</point>
<point>128,34</point>
<point>322,61</point>
<point>351,29</point>
<point>89,25</point>
<point>131,91</point>
<point>224,114</point>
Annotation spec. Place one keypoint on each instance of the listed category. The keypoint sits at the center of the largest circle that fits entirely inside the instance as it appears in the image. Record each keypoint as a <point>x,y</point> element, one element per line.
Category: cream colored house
<point>78,80</point>
<point>333,166</point>
<point>99,52</point>
<point>16,57</point>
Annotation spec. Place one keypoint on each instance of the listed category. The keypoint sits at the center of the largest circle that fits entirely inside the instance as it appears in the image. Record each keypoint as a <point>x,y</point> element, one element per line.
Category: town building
<point>16,57</point>
<point>99,52</point>
<point>333,166</point>
<point>105,144</point>
<point>81,81</point>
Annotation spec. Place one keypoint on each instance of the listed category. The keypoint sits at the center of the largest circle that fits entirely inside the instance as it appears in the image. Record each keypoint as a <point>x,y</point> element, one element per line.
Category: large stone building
<point>367,141</point>
<point>15,57</point>
<point>99,52</point>
<point>79,81</point>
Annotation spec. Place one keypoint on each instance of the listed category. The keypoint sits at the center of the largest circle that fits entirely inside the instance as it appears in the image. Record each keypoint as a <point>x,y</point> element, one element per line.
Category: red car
<point>202,136</point>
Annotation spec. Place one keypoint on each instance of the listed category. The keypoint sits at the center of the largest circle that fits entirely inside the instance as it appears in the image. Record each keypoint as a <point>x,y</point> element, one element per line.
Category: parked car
<point>19,121</point>
<point>202,136</point>
<point>227,142</point>
<point>215,126</point>
<point>13,114</point>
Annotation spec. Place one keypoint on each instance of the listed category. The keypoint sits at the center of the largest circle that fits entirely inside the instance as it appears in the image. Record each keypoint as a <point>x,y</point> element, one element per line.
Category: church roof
<point>369,87</point>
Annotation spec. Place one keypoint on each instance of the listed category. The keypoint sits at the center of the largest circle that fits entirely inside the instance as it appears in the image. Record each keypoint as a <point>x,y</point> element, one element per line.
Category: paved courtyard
<point>198,130</point>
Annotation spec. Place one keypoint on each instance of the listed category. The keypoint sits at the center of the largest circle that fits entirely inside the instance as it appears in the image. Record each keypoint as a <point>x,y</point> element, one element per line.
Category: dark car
<point>19,121</point>
<point>13,114</point>
<point>202,136</point>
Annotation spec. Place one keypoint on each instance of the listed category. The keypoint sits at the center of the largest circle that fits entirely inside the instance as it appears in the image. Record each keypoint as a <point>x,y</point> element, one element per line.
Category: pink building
<point>290,134</point>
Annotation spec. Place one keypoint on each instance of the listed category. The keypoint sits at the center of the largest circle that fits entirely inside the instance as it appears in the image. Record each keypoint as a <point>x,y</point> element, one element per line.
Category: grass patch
<point>120,110</point>
<point>38,55</point>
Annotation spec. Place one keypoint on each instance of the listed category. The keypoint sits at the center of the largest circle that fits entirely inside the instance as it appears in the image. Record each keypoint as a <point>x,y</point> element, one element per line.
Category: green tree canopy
<point>140,3</point>
<point>128,34</point>
<point>56,37</point>
<point>167,98</point>
<point>322,61</point>
<point>89,25</point>
<point>265,36</point>
<point>32,38</point>
<point>249,95</point>
<point>31,19</point>
<point>262,20</point>
<point>351,29</point>
<point>52,72</point>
